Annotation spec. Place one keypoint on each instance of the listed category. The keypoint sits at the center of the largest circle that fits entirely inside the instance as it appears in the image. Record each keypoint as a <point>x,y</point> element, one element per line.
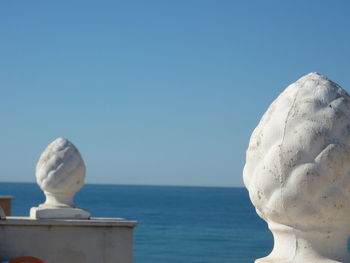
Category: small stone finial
<point>60,173</point>
<point>297,172</point>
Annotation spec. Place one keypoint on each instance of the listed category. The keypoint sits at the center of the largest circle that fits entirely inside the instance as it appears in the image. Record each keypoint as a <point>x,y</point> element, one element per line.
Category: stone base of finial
<point>322,245</point>
<point>302,260</point>
<point>58,213</point>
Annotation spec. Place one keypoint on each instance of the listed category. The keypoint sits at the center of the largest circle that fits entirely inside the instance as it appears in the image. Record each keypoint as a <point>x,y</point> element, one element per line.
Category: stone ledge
<point>92,222</point>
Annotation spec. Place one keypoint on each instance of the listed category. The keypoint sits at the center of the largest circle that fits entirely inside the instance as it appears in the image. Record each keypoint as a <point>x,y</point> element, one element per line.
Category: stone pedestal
<point>312,246</point>
<point>58,213</point>
<point>103,240</point>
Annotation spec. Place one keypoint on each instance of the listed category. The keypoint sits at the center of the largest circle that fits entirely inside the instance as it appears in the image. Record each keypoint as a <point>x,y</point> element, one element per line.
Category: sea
<point>175,224</point>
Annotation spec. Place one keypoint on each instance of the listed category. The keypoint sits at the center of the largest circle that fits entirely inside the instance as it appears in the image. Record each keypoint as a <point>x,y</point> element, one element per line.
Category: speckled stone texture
<point>60,173</point>
<point>298,172</point>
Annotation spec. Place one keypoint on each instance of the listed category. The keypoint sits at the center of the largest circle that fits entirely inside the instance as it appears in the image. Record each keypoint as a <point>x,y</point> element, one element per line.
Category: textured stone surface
<point>60,173</point>
<point>298,171</point>
<point>103,240</point>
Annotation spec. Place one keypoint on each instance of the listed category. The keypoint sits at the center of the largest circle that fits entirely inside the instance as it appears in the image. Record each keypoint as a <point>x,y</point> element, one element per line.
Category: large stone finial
<point>298,172</point>
<point>60,173</point>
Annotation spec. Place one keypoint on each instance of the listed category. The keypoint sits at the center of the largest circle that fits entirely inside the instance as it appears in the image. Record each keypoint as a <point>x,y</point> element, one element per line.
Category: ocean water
<point>176,224</point>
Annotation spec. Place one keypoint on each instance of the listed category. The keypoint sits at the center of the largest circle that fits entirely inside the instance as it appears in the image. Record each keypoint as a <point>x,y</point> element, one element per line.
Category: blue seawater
<point>176,224</point>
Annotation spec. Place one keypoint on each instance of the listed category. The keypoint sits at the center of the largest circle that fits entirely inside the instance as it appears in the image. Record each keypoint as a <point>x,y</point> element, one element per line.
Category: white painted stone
<point>60,173</point>
<point>297,172</point>
<point>105,240</point>
<point>59,213</point>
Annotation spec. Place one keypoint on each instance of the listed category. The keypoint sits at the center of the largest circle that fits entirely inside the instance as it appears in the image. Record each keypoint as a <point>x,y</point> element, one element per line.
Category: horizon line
<point>131,184</point>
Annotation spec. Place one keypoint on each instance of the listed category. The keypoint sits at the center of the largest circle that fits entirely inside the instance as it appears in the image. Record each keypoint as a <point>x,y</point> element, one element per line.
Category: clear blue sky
<point>156,92</point>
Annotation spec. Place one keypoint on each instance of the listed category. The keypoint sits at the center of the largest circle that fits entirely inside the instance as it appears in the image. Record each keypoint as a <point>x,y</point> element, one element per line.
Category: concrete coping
<point>93,222</point>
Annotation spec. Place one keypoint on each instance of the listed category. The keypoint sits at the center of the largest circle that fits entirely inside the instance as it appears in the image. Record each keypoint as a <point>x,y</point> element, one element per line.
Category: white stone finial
<point>297,172</point>
<point>60,173</point>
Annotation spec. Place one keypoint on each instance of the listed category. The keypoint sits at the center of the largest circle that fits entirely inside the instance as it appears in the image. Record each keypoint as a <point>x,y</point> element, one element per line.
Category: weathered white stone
<point>60,173</point>
<point>59,213</point>
<point>103,240</point>
<point>298,172</point>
